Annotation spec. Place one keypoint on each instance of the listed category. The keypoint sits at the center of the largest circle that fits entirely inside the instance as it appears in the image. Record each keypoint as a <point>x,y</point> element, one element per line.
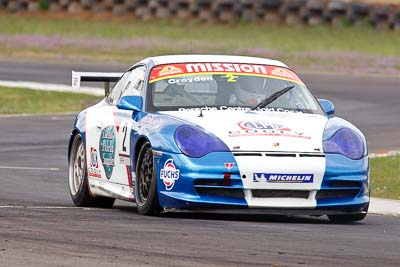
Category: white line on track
<point>28,168</point>
<point>391,153</point>
<point>52,87</point>
<point>41,207</point>
<point>53,116</point>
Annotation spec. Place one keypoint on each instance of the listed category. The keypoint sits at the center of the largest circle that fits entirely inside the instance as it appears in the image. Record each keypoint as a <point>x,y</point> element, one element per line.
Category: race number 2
<point>124,142</point>
<point>124,130</point>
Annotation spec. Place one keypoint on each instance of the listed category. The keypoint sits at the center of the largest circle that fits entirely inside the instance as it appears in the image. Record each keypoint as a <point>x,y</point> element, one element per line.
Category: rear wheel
<point>78,180</point>
<point>146,182</point>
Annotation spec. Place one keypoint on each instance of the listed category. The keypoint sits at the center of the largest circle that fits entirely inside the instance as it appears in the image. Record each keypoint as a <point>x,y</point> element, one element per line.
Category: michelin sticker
<point>283,178</point>
<point>107,149</point>
<point>169,174</point>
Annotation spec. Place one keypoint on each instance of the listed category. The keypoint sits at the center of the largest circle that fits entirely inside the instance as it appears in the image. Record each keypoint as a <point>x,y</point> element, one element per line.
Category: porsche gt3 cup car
<point>209,132</point>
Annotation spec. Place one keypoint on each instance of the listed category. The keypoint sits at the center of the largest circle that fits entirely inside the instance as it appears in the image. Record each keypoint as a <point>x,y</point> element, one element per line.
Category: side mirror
<point>327,106</point>
<point>130,103</point>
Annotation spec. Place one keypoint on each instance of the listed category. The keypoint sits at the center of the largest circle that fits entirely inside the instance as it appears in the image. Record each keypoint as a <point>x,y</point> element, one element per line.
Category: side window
<point>131,83</point>
<point>116,92</point>
<point>135,82</point>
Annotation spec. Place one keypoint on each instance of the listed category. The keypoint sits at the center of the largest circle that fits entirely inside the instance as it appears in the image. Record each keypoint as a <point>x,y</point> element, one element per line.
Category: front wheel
<point>346,218</point>
<point>78,180</point>
<point>146,182</point>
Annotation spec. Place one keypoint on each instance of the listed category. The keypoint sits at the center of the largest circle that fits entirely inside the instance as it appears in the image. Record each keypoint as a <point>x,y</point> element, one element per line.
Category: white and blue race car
<point>210,132</point>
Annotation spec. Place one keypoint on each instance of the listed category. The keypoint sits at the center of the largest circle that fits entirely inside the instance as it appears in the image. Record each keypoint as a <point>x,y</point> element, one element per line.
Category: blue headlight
<point>195,143</point>
<point>345,142</point>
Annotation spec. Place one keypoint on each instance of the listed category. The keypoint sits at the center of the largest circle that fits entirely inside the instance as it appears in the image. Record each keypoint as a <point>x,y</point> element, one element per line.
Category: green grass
<point>280,38</point>
<point>385,177</point>
<point>17,100</point>
<point>99,39</point>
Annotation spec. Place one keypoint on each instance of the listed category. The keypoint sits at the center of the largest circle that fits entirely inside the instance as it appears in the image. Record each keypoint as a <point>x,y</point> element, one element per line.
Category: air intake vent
<point>312,155</point>
<point>337,193</point>
<point>247,154</point>
<point>220,192</point>
<point>209,182</point>
<point>280,155</point>
<point>338,183</point>
<point>280,194</point>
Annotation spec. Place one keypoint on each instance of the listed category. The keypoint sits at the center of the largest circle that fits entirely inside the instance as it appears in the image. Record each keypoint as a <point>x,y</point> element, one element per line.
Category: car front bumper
<point>201,186</point>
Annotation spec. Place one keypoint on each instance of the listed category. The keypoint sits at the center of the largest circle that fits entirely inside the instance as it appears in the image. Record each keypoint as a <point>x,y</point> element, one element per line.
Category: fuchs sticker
<point>169,174</point>
<point>283,178</point>
<point>107,149</point>
<point>93,169</point>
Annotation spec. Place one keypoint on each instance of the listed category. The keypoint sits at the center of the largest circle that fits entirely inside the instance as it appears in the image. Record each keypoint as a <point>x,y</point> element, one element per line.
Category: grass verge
<point>125,40</point>
<point>17,101</point>
<point>385,177</point>
<point>243,35</point>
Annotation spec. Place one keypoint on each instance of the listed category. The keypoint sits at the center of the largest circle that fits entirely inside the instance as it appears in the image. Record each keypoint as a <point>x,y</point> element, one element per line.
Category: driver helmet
<point>250,89</point>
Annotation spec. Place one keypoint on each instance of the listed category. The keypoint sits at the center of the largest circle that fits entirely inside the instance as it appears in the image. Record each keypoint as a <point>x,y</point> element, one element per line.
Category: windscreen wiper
<point>272,97</point>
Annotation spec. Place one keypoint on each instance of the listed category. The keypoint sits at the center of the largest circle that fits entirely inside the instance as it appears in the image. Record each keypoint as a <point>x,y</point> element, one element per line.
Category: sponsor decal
<point>262,125</point>
<point>170,70</point>
<point>131,193</point>
<point>278,110</point>
<point>229,166</point>
<point>229,69</point>
<point>226,67</point>
<point>285,73</point>
<point>93,169</point>
<point>93,158</point>
<point>147,125</point>
<point>231,78</point>
<point>169,174</point>
<point>124,159</point>
<point>205,108</point>
<point>133,179</point>
<point>189,79</point>
<point>283,178</point>
<point>107,149</point>
<point>264,128</point>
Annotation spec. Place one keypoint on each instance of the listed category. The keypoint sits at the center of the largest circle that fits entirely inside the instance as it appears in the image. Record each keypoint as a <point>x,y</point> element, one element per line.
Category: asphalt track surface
<point>372,103</point>
<point>40,227</point>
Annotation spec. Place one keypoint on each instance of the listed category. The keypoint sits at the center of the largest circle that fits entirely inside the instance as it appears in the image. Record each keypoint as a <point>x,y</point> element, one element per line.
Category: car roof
<point>170,59</point>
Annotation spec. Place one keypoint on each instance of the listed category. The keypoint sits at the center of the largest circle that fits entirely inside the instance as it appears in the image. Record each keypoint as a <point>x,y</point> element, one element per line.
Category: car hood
<point>260,130</point>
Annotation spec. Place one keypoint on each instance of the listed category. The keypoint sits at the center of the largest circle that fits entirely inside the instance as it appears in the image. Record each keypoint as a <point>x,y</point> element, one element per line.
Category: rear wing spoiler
<point>106,77</point>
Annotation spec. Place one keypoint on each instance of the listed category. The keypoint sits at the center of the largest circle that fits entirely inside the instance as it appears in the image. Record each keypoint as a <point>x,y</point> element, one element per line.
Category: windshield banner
<point>187,69</point>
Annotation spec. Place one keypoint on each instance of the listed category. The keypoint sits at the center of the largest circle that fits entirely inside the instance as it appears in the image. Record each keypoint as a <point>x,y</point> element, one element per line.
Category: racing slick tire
<point>146,182</point>
<point>78,179</point>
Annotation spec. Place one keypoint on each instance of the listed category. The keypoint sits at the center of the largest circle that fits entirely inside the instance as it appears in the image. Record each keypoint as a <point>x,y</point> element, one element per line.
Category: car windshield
<point>228,86</point>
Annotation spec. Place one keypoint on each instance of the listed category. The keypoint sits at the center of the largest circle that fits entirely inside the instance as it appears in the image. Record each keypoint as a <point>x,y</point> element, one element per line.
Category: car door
<point>108,137</point>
